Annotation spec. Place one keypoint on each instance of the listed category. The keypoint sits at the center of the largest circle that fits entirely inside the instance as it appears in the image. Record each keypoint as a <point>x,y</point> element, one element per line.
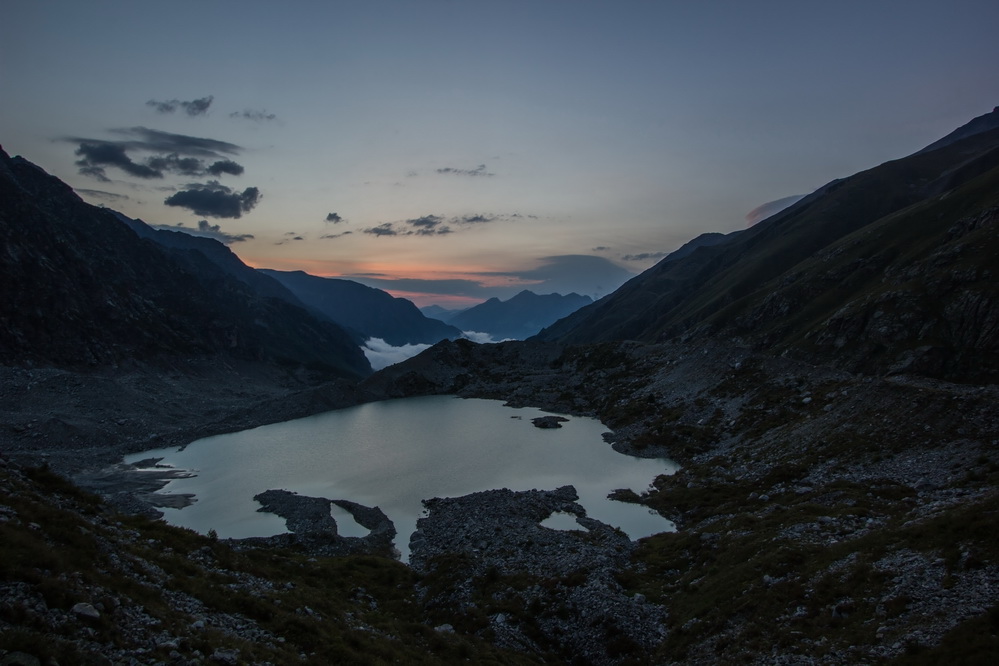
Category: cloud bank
<point>381,354</point>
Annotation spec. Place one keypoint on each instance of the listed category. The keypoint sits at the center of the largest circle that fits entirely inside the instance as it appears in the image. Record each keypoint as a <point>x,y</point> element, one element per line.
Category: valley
<point>826,380</point>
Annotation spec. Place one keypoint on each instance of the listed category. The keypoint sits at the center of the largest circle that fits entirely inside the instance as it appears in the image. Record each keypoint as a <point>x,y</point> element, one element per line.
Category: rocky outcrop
<point>548,422</point>
<point>314,529</point>
<point>565,578</point>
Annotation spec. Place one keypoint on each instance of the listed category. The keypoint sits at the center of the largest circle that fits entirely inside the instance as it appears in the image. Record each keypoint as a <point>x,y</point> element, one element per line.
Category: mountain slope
<point>743,287</point>
<point>370,312</point>
<point>519,317</point>
<point>183,244</point>
<point>82,290</point>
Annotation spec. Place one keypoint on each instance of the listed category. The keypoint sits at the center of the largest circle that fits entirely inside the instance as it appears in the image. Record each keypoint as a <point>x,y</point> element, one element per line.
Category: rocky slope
<point>82,290</point>
<point>824,516</point>
<point>879,271</point>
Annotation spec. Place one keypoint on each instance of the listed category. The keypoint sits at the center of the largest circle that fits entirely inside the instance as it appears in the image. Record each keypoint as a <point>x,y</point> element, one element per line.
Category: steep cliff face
<point>80,289</point>
<point>888,270</point>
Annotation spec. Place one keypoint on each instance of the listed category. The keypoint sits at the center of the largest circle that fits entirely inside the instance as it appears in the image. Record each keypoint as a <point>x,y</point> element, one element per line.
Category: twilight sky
<point>449,151</point>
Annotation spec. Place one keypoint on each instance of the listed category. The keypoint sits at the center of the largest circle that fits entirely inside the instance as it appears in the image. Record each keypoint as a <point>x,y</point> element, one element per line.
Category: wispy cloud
<point>101,194</point>
<point>764,211</point>
<point>477,171</point>
<point>254,115</point>
<point>195,107</point>
<point>644,256</point>
<point>206,230</point>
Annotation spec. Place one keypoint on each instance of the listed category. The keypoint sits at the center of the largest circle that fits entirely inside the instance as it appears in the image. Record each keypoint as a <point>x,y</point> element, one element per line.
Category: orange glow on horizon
<point>348,270</point>
<point>449,301</point>
<point>395,271</point>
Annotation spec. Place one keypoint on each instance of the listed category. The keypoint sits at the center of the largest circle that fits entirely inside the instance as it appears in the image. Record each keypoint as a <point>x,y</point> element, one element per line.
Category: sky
<point>450,151</point>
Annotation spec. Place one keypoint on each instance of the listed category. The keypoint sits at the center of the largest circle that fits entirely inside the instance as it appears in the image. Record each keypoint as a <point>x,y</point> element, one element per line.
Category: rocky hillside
<point>81,289</point>
<point>882,270</point>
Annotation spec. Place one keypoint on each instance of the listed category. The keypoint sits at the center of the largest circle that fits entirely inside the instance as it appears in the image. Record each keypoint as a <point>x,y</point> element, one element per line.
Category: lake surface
<point>395,453</point>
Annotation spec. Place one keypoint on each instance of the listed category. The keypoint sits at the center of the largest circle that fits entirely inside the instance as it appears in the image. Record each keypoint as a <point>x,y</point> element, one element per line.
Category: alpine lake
<point>395,453</point>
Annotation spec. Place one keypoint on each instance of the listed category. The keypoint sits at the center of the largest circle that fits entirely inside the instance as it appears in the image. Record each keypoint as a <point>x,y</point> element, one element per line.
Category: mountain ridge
<point>83,290</point>
<point>518,317</point>
<point>371,312</point>
<point>724,289</point>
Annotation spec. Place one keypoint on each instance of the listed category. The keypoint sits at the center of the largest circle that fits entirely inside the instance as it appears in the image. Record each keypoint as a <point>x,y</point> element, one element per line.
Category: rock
<point>549,421</point>
<point>19,659</point>
<point>87,611</point>
<point>225,656</point>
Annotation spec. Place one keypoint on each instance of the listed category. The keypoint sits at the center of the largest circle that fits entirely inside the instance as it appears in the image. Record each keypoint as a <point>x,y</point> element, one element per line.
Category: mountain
<point>889,269</point>
<point>214,251</point>
<point>438,313</point>
<point>81,289</point>
<point>519,317</point>
<point>371,312</point>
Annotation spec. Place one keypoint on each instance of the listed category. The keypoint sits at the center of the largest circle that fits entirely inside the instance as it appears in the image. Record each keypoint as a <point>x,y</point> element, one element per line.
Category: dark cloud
<point>342,233</point>
<point>97,155</point>
<point>434,225</point>
<point>645,256</point>
<point>185,166</point>
<point>196,107</point>
<point>474,219</point>
<point>477,171</point>
<point>428,225</point>
<point>256,116</point>
<point>334,218</point>
<point>600,248</point>
<point>101,194</point>
<point>384,229</point>
<point>171,153</point>
<point>206,230</point>
<point>213,199</point>
<point>225,166</point>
